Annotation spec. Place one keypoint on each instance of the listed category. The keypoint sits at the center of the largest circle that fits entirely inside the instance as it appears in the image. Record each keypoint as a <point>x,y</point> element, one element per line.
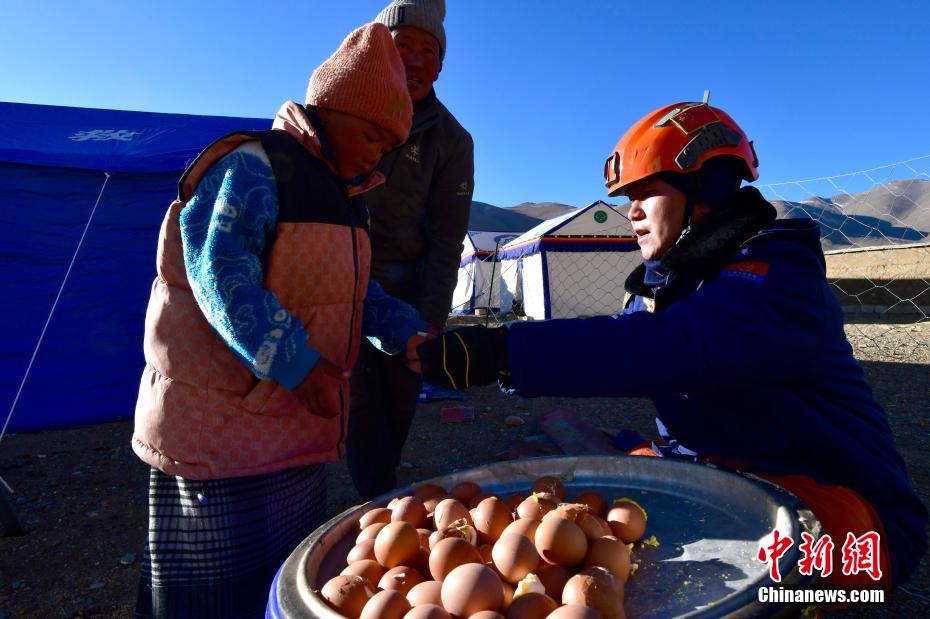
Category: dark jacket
<point>419,217</point>
<point>745,357</point>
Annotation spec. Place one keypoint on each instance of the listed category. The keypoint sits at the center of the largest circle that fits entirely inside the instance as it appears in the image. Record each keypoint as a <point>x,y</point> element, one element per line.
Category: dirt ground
<point>81,494</point>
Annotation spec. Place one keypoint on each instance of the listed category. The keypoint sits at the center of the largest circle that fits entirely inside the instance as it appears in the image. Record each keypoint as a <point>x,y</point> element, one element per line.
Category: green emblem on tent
<point>600,216</point>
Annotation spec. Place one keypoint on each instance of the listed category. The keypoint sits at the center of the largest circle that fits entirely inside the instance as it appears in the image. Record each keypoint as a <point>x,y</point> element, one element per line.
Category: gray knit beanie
<point>423,14</point>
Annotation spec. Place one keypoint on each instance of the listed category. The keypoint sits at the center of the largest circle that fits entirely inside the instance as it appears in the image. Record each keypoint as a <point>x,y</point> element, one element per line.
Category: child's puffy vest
<point>201,414</point>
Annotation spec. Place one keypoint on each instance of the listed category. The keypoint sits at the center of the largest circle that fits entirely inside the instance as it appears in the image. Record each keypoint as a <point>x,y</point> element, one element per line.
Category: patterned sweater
<point>226,229</point>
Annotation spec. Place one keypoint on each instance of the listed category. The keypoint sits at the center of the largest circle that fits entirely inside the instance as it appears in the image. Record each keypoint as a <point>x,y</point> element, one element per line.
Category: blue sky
<point>546,88</point>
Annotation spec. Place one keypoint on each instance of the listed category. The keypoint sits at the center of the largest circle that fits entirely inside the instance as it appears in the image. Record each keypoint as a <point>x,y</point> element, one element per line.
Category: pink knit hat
<point>365,77</point>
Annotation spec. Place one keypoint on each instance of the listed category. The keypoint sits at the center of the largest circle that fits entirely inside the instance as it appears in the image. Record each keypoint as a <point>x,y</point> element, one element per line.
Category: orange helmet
<point>677,138</point>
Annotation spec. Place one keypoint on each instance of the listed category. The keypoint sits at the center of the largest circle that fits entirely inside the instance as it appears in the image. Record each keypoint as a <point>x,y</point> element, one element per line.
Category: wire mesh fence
<point>875,232</point>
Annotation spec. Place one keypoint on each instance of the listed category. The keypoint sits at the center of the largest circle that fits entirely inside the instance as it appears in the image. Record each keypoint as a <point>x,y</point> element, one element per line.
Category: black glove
<point>465,357</point>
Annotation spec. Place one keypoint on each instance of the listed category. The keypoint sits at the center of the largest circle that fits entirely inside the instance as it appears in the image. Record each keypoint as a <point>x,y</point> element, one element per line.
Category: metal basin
<point>708,522</point>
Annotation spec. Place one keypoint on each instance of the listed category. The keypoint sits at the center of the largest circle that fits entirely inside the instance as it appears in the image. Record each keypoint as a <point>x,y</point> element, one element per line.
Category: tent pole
<point>487,317</point>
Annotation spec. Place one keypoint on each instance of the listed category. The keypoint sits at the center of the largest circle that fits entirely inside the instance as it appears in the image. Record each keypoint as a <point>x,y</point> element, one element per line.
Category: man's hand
<point>413,359</point>
<point>319,391</point>
<point>463,358</point>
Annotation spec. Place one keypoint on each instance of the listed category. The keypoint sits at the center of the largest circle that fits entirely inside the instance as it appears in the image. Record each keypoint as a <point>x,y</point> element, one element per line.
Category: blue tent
<point>82,196</point>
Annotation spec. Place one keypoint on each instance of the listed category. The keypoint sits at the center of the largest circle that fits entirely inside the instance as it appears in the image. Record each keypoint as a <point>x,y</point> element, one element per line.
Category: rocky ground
<point>81,494</point>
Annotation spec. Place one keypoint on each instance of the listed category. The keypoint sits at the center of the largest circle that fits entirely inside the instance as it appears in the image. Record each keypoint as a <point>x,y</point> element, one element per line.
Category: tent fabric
<point>109,140</point>
<point>478,283</point>
<point>571,265</point>
<point>88,366</point>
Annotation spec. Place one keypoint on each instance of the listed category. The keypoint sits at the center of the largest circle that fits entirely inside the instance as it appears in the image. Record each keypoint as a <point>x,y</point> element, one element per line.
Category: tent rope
<point>54,305</point>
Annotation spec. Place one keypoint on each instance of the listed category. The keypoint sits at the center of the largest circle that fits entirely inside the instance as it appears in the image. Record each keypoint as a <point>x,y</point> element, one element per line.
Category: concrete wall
<point>882,280</point>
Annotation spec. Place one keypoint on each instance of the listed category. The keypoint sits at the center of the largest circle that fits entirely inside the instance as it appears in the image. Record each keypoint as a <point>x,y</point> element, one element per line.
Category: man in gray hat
<point>419,218</point>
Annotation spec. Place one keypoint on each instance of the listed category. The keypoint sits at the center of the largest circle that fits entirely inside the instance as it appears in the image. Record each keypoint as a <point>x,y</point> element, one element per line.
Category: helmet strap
<point>689,214</point>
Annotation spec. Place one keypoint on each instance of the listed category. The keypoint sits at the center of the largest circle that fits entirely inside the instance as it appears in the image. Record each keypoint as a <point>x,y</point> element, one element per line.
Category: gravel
<point>84,492</point>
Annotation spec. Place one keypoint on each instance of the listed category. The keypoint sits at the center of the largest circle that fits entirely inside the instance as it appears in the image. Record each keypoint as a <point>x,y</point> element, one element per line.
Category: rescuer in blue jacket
<point>732,330</point>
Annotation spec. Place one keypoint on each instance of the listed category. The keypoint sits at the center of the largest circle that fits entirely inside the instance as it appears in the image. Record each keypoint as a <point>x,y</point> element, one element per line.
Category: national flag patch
<point>749,270</point>
<point>695,117</point>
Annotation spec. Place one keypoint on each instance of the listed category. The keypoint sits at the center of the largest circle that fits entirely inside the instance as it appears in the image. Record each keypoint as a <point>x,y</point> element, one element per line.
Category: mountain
<point>893,213</point>
<point>541,210</point>
<point>494,219</point>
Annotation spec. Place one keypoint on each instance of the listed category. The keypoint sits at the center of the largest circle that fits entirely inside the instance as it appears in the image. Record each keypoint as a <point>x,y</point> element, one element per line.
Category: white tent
<point>479,272</point>
<point>572,265</point>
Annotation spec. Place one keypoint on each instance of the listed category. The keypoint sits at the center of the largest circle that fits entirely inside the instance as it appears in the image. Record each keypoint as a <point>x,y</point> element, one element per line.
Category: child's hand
<point>319,391</point>
<point>413,359</point>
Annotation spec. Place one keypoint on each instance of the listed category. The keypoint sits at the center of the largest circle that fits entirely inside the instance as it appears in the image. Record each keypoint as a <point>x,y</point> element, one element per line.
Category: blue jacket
<point>745,357</point>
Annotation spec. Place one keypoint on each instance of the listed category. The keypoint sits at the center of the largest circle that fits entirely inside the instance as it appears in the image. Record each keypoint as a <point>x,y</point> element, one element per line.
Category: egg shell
<point>523,526</point>
<point>398,543</point>
<point>421,563</point>
<point>515,499</point>
<point>514,556</point>
<point>553,578</point>
<point>551,484</point>
<point>387,604</point>
<point>370,532</point>
<point>561,542</point>
<point>534,508</point>
<point>596,503</point>
<point>424,538</point>
<point>431,503</point>
<point>574,611</point>
<point>487,614</point>
<point>450,553</point>
<point>569,511</point>
<point>531,606</point>
<point>491,517</point>
<point>400,578</point>
<point>610,553</point>
<point>594,527</point>
<point>471,588</point>
<point>368,569</point>
<point>362,550</point>
<point>465,491</point>
<point>410,509</point>
<point>428,490</point>
<point>378,514</point>
<point>427,592</point>
<point>626,521</point>
<point>597,588</point>
<point>447,512</point>
<point>347,595</point>
<point>508,595</point>
<point>476,500</point>
<point>461,532</point>
<point>487,554</point>
<point>427,611</point>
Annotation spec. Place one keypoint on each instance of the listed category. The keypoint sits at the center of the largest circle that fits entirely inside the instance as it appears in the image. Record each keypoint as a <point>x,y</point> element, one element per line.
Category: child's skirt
<point>214,546</point>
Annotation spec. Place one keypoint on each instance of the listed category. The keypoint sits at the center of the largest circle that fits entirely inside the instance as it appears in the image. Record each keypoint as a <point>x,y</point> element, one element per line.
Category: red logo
<point>859,554</point>
<point>749,270</point>
<point>772,553</point>
<point>819,555</point>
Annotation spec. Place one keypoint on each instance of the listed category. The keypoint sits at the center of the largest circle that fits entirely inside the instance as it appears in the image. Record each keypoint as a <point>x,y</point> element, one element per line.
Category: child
<point>734,333</point>
<point>253,324</point>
